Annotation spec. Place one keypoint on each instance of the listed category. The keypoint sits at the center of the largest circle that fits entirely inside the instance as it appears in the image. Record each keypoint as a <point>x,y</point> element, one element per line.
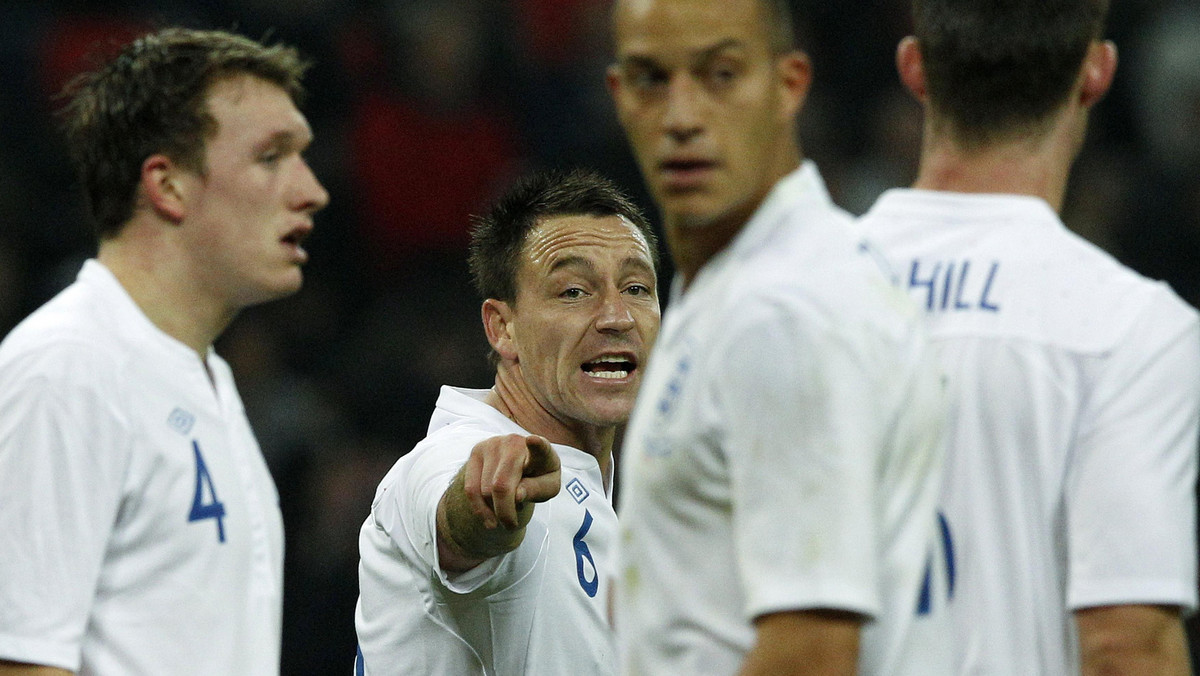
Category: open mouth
<point>297,235</point>
<point>614,367</point>
<point>293,241</point>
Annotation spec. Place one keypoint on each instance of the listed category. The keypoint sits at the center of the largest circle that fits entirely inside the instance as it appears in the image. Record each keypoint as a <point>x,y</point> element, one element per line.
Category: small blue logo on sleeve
<point>181,421</point>
<point>577,490</point>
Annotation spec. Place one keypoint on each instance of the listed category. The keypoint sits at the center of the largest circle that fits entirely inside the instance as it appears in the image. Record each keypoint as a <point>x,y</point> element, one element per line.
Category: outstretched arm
<point>1134,639</point>
<point>490,501</point>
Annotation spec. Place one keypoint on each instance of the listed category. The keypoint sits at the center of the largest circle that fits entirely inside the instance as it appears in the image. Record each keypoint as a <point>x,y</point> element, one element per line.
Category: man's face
<point>707,104</point>
<point>247,215</point>
<point>585,317</point>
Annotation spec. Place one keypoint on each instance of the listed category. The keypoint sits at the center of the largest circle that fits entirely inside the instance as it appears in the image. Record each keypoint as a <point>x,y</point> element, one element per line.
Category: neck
<point>164,292</point>
<point>1037,166</point>
<point>693,242</point>
<point>693,245</point>
<point>514,400</point>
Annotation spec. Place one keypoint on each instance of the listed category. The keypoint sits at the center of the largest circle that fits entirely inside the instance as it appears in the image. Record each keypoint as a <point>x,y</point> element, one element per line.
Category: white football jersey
<point>1072,439</point>
<point>784,454</point>
<point>139,526</point>
<point>540,610</point>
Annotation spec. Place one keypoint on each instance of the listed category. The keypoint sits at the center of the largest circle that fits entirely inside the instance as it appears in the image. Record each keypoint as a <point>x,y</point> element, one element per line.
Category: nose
<point>681,119</point>
<point>614,316</point>
<point>312,195</point>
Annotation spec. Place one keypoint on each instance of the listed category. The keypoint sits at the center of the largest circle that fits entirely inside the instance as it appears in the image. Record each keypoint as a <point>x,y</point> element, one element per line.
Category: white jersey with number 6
<point>540,610</point>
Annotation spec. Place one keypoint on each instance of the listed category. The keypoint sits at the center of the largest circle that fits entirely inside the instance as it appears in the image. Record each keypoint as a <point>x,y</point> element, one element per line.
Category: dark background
<point>423,111</point>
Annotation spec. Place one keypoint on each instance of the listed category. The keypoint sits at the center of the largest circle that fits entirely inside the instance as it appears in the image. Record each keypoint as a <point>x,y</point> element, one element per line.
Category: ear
<point>1099,67</point>
<point>497,324</point>
<point>162,186</point>
<point>911,68</point>
<point>795,78</point>
<point>612,78</point>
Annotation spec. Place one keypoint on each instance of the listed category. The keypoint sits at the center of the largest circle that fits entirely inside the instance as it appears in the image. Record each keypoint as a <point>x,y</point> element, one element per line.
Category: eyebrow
<point>572,262</point>
<point>700,55</point>
<point>285,138</point>
<point>580,261</point>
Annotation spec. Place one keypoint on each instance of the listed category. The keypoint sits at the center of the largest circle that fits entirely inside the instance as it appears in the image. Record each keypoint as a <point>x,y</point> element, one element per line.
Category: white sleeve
<point>802,433</point>
<point>63,458</point>
<point>1130,503</point>
<point>413,500</point>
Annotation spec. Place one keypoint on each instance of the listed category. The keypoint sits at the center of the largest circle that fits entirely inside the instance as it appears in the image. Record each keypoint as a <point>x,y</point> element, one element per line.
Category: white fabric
<point>784,453</point>
<point>527,612</point>
<point>101,570</point>
<point>1072,455</point>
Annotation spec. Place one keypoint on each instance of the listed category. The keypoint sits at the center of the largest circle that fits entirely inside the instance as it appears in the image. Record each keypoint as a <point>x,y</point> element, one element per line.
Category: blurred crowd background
<point>424,110</point>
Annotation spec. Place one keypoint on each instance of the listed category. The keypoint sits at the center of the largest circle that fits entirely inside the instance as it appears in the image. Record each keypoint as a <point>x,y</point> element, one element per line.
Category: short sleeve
<point>412,500</point>
<point>801,443</point>
<point>63,457</point>
<point>1130,503</point>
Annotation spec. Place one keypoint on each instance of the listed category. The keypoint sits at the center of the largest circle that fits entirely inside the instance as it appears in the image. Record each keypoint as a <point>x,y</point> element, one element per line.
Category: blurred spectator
<point>429,146</point>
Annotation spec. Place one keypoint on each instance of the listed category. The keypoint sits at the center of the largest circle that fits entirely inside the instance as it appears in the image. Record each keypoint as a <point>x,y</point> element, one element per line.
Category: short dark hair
<point>781,25</point>
<point>999,68</point>
<point>152,98</point>
<point>498,237</point>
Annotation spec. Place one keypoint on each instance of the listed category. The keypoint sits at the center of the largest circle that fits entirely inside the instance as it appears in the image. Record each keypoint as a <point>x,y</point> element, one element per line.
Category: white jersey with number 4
<point>539,610</point>
<point>784,454</point>
<point>1075,387</point>
<point>140,530</point>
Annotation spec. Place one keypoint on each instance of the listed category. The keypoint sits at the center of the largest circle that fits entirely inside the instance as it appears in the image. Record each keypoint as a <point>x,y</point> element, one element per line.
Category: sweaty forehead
<point>557,238</point>
<point>650,26</point>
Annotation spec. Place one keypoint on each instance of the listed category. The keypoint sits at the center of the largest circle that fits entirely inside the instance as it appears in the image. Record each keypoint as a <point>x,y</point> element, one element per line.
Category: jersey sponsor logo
<point>181,421</point>
<point>577,490</point>
<point>954,286</point>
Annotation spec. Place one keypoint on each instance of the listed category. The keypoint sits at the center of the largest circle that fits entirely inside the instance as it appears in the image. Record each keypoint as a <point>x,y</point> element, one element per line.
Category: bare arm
<point>18,669</point>
<point>807,643</point>
<point>490,501</point>
<point>1135,639</point>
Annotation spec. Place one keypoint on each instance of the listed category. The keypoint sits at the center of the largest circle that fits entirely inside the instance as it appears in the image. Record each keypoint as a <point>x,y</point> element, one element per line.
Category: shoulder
<point>63,348</point>
<point>1013,256</point>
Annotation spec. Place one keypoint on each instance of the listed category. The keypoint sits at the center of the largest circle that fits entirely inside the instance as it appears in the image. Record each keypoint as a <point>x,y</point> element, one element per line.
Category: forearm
<point>18,669</point>
<point>465,538</point>
<point>1132,640</point>
<point>804,643</point>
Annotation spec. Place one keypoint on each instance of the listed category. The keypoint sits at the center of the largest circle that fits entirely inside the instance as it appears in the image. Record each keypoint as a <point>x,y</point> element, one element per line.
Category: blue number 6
<point>200,509</point>
<point>582,552</point>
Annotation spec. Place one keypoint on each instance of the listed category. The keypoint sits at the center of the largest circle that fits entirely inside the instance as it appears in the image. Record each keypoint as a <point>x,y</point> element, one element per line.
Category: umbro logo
<point>181,421</point>
<point>577,490</point>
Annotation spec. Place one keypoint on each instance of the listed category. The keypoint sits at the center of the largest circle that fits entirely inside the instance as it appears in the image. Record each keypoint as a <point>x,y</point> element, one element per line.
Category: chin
<point>610,414</point>
<point>690,213</point>
<point>274,290</point>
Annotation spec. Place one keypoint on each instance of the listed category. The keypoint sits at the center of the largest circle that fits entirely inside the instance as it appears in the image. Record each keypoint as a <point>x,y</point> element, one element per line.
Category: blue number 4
<point>582,552</point>
<point>206,510</point>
